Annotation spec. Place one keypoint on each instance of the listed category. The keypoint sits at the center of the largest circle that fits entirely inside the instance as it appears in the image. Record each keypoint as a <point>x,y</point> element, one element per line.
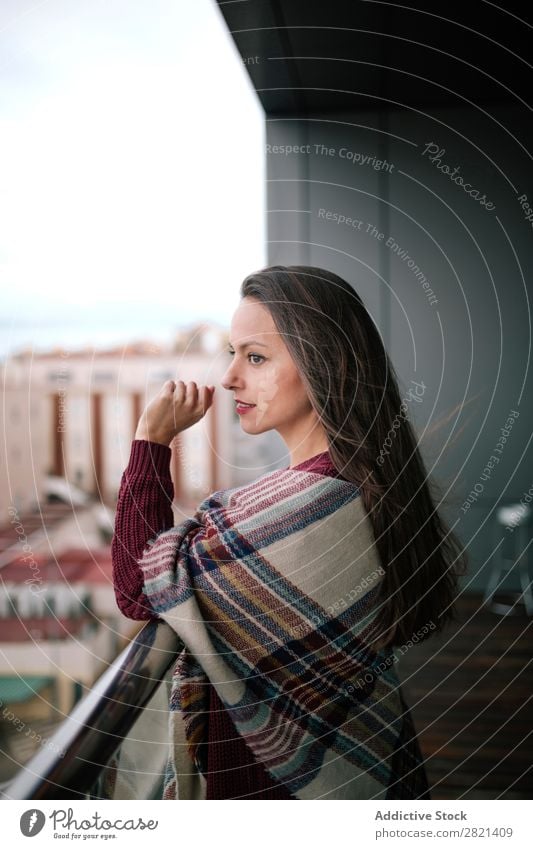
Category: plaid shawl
<point>272,589</point>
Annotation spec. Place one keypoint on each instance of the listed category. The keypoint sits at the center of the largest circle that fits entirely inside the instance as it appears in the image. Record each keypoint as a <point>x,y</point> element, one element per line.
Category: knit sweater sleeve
<point>144,509</point>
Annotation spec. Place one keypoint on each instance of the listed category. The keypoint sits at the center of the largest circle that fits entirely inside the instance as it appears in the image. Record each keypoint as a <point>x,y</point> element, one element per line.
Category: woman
<point>289,594</point>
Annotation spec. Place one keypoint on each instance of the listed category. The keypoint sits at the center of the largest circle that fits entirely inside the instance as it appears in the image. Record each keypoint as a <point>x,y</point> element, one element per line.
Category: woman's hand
<point>176,407</point>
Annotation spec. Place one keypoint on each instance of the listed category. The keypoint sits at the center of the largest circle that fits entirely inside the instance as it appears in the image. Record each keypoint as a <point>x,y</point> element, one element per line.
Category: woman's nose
<point>230,378</point>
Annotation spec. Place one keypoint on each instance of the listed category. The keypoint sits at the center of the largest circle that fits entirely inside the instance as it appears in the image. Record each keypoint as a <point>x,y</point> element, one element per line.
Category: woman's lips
<point>243,408</point>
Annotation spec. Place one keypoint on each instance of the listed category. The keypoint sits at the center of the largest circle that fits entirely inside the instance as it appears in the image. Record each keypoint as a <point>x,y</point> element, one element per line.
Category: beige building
<point>73,414</point>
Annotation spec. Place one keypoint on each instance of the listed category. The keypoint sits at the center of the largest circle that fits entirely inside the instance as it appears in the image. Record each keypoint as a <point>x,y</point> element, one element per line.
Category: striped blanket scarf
<point>272,589</point>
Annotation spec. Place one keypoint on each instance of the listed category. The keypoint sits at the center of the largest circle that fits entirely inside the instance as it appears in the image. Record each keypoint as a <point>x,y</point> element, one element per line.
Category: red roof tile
<point>75,565</point>
<point>30,629</point>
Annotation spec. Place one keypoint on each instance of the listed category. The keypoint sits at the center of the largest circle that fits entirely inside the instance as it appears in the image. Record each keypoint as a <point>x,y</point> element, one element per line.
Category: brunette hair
<point>353,388</point>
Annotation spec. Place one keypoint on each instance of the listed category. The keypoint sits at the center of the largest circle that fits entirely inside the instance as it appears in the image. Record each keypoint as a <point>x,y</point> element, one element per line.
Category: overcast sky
<point>131,170</point>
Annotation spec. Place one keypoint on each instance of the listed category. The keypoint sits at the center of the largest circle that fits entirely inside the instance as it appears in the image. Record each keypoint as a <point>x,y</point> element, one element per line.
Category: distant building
<point>59,622</point>
<point>73,414</point>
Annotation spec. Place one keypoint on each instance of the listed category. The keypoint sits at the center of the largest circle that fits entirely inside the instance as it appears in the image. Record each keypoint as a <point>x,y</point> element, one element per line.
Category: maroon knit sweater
<point>144,509</point>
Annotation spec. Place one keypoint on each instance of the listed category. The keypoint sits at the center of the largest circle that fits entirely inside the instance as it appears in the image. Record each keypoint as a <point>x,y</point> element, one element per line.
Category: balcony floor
<point>471,704</point>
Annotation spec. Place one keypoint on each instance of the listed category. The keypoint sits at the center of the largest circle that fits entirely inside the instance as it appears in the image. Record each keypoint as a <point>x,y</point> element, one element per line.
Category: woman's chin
<point>255,422</point>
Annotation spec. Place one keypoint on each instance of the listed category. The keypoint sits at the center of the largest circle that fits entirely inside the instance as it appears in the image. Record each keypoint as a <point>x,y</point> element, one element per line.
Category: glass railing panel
<point>100,729</point>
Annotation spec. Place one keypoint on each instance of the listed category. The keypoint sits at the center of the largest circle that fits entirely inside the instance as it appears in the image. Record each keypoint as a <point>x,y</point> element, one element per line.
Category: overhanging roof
<point>306,56</point>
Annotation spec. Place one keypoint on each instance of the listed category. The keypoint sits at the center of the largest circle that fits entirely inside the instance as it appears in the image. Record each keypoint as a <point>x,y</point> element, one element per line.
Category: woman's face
<point>262,372</point>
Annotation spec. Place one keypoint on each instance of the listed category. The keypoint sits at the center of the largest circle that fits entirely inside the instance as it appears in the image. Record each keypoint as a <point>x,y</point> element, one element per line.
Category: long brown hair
<point>353,388</point>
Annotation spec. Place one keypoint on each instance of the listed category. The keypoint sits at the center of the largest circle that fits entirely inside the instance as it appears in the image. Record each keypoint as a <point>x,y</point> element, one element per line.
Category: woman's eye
<point>259,356</point>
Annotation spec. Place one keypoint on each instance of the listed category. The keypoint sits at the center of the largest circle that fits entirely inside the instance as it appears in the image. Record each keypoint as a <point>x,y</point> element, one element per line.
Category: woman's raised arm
<point>144,506</point>
<point>144,509</point>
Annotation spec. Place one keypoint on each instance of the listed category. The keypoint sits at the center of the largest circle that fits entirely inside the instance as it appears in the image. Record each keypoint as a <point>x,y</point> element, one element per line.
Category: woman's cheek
<point>268,390</point>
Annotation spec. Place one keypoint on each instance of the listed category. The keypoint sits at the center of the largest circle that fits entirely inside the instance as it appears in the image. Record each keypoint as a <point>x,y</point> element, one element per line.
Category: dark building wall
<point>448,282</point>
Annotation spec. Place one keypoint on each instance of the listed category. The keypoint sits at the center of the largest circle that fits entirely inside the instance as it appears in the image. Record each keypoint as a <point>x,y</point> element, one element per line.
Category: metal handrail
<point>98,724</point>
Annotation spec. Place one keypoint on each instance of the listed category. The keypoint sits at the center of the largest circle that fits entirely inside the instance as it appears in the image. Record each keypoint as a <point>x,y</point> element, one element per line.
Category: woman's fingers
<point>188,393</point>
<point>206,397</point>
<point>178,391</point>
<point>177,406</point>
<point>192,393</point>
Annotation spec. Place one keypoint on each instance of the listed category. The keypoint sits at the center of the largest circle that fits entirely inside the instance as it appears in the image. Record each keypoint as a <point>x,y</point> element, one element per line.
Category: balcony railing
<point>131,696</point>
